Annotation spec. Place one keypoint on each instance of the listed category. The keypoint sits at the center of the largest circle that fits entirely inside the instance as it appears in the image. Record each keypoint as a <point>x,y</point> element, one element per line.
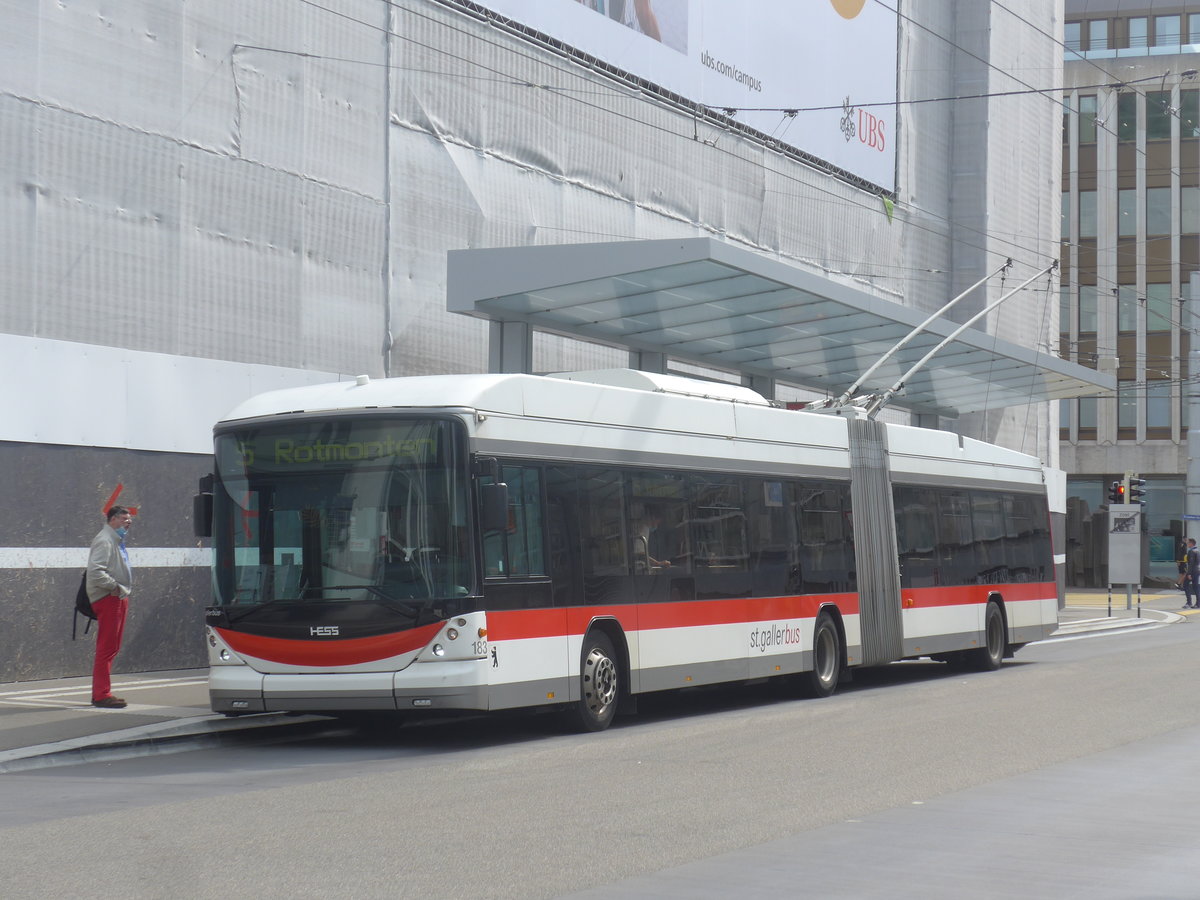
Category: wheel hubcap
<point>995,638</point>
<point>826,656</point>
<point>600,681</point>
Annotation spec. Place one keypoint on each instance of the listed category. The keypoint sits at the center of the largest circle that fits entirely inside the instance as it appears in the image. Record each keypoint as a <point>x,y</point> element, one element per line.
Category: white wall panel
<point>57,392</point>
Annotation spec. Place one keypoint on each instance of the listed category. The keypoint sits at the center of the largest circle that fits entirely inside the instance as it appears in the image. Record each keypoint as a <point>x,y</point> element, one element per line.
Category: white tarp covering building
<point>200,200</point>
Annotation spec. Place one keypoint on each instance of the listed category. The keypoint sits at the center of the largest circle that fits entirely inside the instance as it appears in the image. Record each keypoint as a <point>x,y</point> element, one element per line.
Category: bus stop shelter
<point>718,305</point>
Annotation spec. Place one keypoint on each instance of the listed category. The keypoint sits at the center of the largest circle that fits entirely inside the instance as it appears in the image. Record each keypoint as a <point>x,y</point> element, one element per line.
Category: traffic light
<point>1136,492</point>
<point>1116,493</point>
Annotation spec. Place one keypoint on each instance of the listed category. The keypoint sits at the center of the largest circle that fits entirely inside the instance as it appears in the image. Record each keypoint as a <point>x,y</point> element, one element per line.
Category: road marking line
<point>35,693</point>
<point>1109,632</point>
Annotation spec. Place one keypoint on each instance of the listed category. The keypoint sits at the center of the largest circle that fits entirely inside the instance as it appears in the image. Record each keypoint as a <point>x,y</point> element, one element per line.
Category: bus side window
<point>825,542</point>
<point>518,549</point>
<point>987,521</point>
<point>773,557</point>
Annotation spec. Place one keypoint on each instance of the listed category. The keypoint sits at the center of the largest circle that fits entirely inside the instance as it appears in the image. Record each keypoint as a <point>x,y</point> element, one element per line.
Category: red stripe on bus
<point>508,625</point>
<point>970,594</point>
<point>348,652</point>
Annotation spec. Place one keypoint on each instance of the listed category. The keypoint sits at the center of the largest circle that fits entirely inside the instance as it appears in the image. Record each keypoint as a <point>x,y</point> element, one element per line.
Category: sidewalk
<point>49,722</point>
<point>1098,610</point>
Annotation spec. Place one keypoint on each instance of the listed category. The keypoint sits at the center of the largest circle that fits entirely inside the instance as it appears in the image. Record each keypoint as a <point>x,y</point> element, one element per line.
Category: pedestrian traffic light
<point>1137,489</point>
<point>1116,493</point>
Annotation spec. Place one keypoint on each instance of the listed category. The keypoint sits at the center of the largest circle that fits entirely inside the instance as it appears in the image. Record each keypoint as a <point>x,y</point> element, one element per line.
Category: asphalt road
<point>1069,773</point>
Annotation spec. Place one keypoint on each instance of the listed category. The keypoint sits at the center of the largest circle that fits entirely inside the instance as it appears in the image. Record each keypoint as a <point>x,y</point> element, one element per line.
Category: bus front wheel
<point>599,683</point>
<point>822,679</point>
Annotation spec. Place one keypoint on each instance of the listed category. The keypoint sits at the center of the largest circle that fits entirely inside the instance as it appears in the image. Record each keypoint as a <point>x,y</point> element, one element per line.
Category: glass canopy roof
<point>715,304</point>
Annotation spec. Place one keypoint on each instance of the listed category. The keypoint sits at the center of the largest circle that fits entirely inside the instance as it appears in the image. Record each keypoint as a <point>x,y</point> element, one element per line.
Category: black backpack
<point>83,607</point>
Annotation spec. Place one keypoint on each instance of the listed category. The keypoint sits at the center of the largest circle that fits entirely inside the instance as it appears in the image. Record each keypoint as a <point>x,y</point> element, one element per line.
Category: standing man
<point>1191,584</point>
<point>108,585</point>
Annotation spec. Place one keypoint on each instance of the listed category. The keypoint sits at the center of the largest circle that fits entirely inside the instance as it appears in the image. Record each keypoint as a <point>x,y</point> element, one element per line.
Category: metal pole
<point>883,399</point>
<point>849,392</point>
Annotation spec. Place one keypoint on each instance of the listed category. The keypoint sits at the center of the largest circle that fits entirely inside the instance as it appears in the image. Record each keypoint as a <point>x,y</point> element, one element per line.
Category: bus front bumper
<point>450,684</point>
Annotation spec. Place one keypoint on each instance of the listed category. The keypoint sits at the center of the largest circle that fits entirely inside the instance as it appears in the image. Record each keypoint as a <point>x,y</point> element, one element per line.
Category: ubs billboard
<point>831,61</point>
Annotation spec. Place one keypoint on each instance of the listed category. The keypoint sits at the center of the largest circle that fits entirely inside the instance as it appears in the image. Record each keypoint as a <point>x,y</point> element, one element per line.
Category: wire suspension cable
<point>879,402</point>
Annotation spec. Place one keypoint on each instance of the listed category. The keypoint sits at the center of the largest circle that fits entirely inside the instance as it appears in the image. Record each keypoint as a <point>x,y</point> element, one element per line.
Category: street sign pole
<point>1191,396</point>
<point>1125,549</point>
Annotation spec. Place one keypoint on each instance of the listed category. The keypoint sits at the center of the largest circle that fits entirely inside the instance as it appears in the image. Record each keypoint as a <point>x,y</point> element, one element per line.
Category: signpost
<point>1125,538</point>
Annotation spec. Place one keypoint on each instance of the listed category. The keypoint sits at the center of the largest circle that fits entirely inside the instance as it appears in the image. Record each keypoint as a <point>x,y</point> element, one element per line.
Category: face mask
<point>121,532</point>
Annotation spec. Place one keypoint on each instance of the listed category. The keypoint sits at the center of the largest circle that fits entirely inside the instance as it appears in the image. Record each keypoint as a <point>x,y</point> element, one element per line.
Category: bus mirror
<point>202,511</point>
<point>493,511</point>
<point>202,508</point>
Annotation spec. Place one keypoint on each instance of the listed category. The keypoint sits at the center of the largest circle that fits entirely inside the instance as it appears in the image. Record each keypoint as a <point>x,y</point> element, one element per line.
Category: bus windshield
<point>342,510</point>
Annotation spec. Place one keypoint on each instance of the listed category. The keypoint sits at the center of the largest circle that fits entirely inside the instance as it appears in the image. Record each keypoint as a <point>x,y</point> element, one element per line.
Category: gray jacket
<point>107,571</point>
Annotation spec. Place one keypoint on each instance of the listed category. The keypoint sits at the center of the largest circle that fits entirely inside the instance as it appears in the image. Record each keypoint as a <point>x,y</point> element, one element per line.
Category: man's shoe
<point>109,703</point>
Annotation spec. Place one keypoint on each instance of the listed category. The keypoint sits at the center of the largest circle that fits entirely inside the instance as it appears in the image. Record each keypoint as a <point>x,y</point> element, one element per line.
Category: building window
<point>1087,119</point>
<point>1087,417</point>
<point>1138,31</point>
<point>1127,213</point>
<point>1158,115</point>
<point>1064,420</point>
<point>1127,409</point>
<point>1189,210</point>
<point>1127,308</point>
<point>1098,34</point>
<point>1071,32</point>
<point>1158,307</point>
<point>1194,28</point>
<point>1127,117</point>
<point>1158,210</point>
<point>1065,216</point>
<point>1158,407</point>
<point>1189,114</point>
<point>1087,309</point>
<point>1087,214</point>
<point>1166,31</point>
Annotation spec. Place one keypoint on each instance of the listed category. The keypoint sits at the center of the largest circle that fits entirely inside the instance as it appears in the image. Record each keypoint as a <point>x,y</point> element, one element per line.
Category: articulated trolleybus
<point>484,542</point>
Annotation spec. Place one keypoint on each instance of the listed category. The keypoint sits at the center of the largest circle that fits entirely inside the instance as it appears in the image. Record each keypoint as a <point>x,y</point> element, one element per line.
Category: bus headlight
<point>439,650</point>
<point>452,634</point>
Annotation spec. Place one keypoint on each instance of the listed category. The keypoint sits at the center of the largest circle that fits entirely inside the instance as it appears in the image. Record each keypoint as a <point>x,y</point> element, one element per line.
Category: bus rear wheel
<point>599,683</point>
<point>822,679</point>
<point>990,656</point>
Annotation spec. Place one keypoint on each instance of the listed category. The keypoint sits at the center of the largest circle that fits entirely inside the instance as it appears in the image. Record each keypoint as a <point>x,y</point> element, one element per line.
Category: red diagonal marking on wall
<point>112,499</point>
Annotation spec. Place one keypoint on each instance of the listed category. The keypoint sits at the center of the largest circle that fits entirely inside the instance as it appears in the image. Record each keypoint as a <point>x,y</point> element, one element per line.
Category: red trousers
<point>110,627</point>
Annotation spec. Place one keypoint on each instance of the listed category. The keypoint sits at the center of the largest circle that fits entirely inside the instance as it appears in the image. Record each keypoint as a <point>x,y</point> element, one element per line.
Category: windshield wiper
<point>393,603</point>
<point>257,607</point>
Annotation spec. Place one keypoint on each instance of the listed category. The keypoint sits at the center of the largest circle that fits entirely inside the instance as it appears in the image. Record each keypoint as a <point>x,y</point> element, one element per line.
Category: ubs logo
<point>868,126</point>
<point>323,630</point>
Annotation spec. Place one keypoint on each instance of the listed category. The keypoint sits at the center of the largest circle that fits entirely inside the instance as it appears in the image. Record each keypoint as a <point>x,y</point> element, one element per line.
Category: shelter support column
<point>762,385</point>
<point>510,348</point>
<point>647,361</point>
